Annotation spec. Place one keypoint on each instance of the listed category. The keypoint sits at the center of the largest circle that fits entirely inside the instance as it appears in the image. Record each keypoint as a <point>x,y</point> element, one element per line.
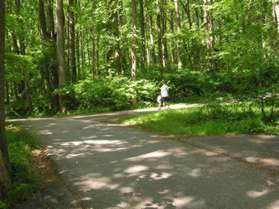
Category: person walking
<point>165,95</point>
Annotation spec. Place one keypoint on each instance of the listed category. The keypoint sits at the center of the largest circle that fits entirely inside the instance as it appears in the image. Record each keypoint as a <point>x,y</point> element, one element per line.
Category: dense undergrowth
<point>115,92</point>
<point>210,120</point>
<point>24,180</point>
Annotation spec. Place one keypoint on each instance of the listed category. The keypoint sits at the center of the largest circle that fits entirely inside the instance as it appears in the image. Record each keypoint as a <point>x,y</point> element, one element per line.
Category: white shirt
<point>164,91</point>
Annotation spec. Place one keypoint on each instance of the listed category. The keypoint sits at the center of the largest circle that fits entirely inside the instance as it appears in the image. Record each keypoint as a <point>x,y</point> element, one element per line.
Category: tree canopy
<point>51,45</point>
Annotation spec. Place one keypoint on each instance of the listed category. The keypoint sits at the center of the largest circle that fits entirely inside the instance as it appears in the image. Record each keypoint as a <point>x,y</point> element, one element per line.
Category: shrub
<point>188,83</point>
<point>114,92</point>
<point>20,192</point>
<point>21,161</point>
<point>3,205</point>
<point>24,181</point>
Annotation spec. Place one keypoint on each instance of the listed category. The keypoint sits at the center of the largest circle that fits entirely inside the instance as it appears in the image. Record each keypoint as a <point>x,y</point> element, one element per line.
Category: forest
<point>67,56</point>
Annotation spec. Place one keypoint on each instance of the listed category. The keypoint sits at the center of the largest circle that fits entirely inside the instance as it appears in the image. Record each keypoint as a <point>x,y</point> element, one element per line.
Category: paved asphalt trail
<point>107,165</point>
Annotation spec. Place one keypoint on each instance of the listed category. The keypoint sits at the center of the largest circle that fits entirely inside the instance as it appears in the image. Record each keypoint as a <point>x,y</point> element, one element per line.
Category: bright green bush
<point>114,92</point>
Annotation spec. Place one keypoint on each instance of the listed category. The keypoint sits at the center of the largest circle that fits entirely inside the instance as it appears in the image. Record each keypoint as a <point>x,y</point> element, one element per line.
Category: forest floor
<point>103,164</point>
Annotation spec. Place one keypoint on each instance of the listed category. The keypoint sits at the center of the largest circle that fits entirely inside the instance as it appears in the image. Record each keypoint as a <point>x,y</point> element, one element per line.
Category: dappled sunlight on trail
<point>260,150</point>
<point>110,166</point>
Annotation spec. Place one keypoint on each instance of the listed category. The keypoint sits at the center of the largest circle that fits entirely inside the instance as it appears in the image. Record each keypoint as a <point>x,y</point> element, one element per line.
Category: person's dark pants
<point>164,100</point>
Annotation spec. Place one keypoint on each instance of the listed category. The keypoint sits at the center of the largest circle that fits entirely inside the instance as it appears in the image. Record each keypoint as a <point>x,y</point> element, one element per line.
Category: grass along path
<point>217,120</point>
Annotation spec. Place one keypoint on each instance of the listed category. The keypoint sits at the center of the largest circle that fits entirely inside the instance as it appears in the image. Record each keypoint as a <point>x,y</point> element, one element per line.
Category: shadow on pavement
<point>109,166</point>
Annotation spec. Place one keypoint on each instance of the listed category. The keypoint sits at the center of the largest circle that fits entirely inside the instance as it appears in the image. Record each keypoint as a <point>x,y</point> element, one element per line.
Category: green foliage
<point>15,135</point>
<point>20,157</point>
<point>24,181</point>
<point>216,120</point>
<point>188,83</point>
<point>250,82</point>
<point>237,64</point>
<point>3,205</point>
<point>183,83</point>
<point>18,66</point>
<point>238,83</point>
<point>20,192</point>
<point>114,92</point>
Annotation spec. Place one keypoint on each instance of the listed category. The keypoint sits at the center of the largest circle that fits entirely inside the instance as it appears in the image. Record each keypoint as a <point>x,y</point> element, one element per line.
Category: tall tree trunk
<point>47,32</point>
<point>67,49</point>
<point>51,26</point>
<point>160,37</point>
<point>60,47</point>
<point>173,57</point>
<point>7,96</point>
<point>164,31</point>
<point>94,55</point>
<point>208,22</point>
<point>114,50</point>
<point>187,11</point>
<point>97,54</point>
<point>15,44</point>
<point>82,53</point>
<point>21,41</point>
<point>276,13</point>
<point>178,26</point>
<point>143,36</point>
<point>197,17</point>
<point>4,157</point>
<point>88,50</point>
<point>42,20</point>
<point>78,56</point>
<point>134,39</point>
<point>20,49</point>
<point>119,50</point>
<point>152,41</point>
<point>72,31</point>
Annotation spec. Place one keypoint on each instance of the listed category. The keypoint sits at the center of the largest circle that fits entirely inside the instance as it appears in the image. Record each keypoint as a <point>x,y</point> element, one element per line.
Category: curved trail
<point>106,165</point>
